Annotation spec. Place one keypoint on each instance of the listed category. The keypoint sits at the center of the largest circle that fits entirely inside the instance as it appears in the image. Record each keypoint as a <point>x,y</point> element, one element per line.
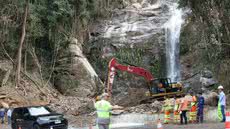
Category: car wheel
<point>13,126</point>
<point>36,126</point>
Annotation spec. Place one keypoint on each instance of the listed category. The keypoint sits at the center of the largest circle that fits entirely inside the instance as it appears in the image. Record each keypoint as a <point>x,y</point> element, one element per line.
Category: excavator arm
<point>157,87</point>
<point>114,65</point>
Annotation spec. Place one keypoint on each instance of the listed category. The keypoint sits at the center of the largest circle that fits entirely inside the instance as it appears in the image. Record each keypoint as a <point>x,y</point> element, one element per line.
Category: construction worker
<point>200,108</point>
<point>9,113</point>
<point>166,110</point>
<point>171,107</point>
<point>222,102</point>
<point>193,109</point>
<point>2,114</point>
<point>103,108</point>
<point>183,108</point>
<point>176,111</point>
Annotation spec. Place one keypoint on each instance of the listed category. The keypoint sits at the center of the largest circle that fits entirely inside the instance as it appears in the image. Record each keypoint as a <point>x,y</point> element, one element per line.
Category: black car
<point>39,117</point>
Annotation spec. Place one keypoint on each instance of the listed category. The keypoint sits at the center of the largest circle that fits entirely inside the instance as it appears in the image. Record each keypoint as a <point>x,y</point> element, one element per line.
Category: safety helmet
<point>220,87</point>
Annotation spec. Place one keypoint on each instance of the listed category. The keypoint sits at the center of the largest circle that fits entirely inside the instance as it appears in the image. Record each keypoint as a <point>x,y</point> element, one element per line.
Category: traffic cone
<point>159,125</point>
<point>227,122</point>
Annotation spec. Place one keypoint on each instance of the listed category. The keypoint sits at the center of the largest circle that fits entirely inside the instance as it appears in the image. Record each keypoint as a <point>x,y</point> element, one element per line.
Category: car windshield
<point>36,111</point>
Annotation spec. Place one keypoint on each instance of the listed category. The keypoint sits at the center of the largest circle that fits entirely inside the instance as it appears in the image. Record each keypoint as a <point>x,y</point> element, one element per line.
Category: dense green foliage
<point>50,24</point>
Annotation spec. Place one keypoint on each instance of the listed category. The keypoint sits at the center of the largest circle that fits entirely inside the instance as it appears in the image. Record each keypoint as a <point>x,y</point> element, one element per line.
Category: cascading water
<point>173,27</point>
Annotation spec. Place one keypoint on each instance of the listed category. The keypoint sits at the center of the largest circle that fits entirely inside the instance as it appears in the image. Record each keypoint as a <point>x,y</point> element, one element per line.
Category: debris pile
<point>152,108</point>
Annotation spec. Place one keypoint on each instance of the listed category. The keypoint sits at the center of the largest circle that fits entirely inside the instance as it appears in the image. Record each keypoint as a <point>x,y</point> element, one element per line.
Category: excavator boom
<point>114,65</point>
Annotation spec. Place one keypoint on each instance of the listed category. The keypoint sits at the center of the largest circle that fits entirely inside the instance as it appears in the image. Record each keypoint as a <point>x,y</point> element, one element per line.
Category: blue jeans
<point>200,114</point>
<point>183,116</point>
<point>9,120</point>
<point>223,113</point>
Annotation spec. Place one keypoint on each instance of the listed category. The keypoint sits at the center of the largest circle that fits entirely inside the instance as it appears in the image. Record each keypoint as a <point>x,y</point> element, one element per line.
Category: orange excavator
<point>156,87</point>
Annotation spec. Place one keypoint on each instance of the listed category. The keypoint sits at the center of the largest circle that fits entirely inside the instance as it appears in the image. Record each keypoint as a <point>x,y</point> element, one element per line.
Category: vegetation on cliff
<point>205,38</point>
<point>48,27</point>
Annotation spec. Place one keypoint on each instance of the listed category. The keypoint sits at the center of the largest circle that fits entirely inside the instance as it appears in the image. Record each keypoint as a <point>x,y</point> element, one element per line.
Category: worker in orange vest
<point>176,111</point>
<point>183,108</point>
<point>193,109</point>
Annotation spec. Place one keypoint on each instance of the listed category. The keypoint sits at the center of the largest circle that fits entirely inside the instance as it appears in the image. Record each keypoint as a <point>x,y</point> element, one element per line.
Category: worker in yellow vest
<point>171,107</point>
<point>104,109</point>
<point>193,109</point>
<point>176,111</point>
<point>166,108</point>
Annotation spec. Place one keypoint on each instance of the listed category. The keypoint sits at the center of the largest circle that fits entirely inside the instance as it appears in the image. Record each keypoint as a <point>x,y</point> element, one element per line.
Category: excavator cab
<point>164,86</point>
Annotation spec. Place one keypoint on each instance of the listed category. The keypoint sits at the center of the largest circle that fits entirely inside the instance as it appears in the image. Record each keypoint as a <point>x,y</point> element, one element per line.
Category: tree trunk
<point>19,56</point>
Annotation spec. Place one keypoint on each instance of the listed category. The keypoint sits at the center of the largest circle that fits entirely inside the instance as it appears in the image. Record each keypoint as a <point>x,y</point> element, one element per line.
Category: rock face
<point>205,40</point>
<point>81,79</point>
<point>136,35</point>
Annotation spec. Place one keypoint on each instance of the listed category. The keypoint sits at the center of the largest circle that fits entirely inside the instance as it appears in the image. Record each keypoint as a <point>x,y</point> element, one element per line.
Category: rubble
<point>152,108</point>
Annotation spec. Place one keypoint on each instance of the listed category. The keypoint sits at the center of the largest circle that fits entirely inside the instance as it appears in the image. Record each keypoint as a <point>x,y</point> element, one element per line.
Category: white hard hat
<point>220,87</point>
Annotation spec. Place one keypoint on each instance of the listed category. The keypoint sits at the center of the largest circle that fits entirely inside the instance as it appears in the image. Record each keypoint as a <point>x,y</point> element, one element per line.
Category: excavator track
<point>160,96</point>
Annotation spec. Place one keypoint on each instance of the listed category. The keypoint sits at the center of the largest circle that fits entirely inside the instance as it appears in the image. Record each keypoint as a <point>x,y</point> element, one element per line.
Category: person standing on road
<point>200,108</point>
<point>9,113</point>
<point>222,102</point>
<point>193,109</point>
<point>104,109</point>
<point>183,110</point>
<point>166,110</point>
<point>176,113</point>
<point>2,114</point>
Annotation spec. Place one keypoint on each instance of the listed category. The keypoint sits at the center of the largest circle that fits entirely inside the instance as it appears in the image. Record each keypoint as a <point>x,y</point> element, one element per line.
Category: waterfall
<point>173,27</point>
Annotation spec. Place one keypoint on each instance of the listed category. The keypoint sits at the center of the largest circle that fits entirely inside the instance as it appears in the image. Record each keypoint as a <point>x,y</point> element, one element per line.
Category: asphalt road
<point>170,126</point>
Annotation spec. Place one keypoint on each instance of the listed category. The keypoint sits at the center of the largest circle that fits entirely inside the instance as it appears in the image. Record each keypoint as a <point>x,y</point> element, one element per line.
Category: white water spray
<point>173,27</point>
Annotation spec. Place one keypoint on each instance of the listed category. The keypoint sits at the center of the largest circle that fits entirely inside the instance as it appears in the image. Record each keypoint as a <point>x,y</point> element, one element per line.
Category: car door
<point>18,119</point>
<point>28,120</point>
<point>14,117</point>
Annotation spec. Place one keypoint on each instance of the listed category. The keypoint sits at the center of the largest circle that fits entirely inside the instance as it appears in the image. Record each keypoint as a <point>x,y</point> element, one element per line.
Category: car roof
<point>30,106</point>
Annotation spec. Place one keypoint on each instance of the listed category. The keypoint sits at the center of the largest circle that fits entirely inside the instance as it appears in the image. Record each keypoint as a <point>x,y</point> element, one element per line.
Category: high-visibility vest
<point>103,108</point>
<point>219,113</point>
<point>177,104</point>
<point>184,105</point>
<point>166,104</point>
<point>193,103</point>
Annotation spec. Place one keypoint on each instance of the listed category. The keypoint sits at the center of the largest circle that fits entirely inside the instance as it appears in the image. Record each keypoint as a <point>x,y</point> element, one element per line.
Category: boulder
<point>76,77</point>
<point>206,82</point>
<point>211,98</point>
<point>207,74</point>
